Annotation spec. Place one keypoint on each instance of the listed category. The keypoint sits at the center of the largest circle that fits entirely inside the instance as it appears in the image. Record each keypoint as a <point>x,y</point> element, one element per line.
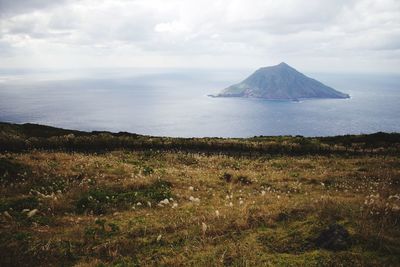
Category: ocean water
<point>174,102</point>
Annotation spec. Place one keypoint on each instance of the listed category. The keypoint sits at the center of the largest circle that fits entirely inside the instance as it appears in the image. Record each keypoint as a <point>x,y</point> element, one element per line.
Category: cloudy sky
<point>314,35</point>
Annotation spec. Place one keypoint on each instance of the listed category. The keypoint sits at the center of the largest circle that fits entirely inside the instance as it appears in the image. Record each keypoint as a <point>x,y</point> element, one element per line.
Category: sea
<point>176,103</point>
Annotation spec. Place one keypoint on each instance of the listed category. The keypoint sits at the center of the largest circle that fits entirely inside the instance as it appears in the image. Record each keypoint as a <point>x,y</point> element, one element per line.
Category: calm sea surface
<point>175,103</point>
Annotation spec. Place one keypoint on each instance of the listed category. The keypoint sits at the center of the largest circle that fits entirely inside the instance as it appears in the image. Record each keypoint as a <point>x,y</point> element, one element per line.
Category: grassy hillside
<point>71,198</point>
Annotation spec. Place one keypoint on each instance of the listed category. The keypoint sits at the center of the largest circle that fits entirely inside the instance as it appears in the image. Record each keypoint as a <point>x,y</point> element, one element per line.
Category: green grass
<point>100,200</point>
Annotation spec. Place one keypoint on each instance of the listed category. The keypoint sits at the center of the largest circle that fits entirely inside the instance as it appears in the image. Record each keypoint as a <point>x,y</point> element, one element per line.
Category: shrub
<point>18,204</point>
<point>12,171</point>
<point>101,229</point>
<point>244,180</point>
<point>227,177</point>
<point>147,170</point>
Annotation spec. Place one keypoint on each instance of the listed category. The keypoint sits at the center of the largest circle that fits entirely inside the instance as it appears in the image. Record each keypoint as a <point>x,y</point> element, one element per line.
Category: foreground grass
<point>174,208</point>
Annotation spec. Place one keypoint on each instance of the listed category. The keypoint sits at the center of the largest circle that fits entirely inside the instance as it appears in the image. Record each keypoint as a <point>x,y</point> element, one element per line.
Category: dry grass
<point>269,212</point>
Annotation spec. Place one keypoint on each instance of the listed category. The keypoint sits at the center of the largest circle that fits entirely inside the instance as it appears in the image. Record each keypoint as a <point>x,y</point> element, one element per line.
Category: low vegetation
<point>72,198</point>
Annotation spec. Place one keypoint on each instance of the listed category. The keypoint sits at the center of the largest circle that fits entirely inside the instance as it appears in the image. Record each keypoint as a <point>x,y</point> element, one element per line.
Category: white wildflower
<point>194,199</point>
<point>204,228</point>
<point>165,201</point>
<point>32,213</point>
<point>7,215</point>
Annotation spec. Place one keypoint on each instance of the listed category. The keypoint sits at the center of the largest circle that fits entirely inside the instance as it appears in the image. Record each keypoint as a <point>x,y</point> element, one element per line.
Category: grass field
<point>216,202</point>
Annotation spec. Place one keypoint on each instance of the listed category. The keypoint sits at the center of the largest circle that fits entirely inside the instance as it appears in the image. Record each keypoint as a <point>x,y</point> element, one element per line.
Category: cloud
<point>222,33</point>
<point>14,7</point>
<point>173,27</point>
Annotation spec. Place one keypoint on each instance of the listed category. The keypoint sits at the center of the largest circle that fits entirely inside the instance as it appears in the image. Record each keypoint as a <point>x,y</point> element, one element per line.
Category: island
<point>280,82</point>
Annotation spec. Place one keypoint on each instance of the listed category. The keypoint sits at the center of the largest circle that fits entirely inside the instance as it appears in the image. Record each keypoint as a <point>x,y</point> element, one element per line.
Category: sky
<point>312,35</point>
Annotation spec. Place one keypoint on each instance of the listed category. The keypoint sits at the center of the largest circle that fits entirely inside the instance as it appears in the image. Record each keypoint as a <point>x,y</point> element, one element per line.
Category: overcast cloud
<point>314,35</point>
